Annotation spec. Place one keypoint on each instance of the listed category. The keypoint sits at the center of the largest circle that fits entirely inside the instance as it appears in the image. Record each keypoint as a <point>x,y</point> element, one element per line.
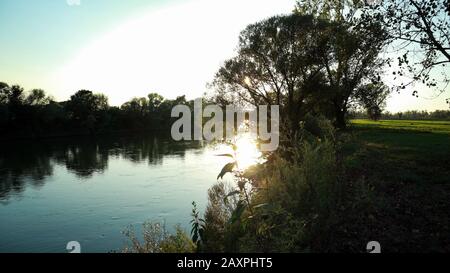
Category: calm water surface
<point>90,190</point>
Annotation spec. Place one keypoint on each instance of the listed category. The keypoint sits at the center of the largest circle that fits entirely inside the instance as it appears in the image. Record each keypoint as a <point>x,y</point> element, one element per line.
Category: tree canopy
<point>301,62</point>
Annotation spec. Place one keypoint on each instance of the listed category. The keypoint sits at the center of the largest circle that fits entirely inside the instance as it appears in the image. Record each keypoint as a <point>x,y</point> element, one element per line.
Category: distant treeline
<point>34,114</point>
<point>407,115</point>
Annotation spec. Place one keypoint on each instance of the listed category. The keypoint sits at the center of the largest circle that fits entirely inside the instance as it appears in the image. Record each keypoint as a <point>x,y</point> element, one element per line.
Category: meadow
<point>406,164</point>
<point>425,126</point>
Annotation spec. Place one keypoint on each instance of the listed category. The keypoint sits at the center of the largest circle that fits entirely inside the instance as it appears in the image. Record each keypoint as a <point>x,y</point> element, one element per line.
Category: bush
<point>157,240</point>
<point>217,215</point>
<point>302,196</point>
<point>300,200</point>
<point>294,199</point>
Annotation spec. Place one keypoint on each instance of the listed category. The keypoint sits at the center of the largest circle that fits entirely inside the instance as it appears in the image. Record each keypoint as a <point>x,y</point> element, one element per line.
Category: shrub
<point>300,200</point>
<point>217,215</point>
<point>302,195</point>
<point>293,199</point>
<point>156,239</point>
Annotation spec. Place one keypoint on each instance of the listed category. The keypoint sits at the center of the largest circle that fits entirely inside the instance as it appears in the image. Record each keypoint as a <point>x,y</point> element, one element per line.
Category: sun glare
<point>188,42</point>
<point>246,151</point>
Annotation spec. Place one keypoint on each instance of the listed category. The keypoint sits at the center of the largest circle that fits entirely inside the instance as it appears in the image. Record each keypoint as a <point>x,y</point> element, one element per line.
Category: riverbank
<point>385,181</point>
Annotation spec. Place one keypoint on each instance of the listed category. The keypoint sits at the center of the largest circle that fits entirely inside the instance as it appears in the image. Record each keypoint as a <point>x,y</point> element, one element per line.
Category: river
<point>90,190</point>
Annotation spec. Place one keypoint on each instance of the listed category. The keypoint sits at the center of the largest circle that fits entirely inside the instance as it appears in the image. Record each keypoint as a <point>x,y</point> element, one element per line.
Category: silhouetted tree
<point>373,98</point>
<point>37,97</point>
<point>278,63</point>
<point>34,114</point>
<point>16,97</point>
<point>4,92</point>
<point>154,102</point>
<point>352,58</point>
<point>85,108</point>
<point>4,111</point>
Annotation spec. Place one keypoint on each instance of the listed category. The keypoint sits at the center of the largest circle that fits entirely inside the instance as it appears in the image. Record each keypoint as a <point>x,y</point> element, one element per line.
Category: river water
<point>89,190</point>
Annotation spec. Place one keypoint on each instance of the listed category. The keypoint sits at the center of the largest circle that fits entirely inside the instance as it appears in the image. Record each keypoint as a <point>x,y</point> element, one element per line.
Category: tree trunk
<point>340,122</point>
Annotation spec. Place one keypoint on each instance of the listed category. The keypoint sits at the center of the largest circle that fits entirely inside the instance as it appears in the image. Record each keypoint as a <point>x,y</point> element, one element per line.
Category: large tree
<point>353,57</point>
<point>85,108</point>
<point>278,62</point>
<point>37,97</point>
<point>354,62</point>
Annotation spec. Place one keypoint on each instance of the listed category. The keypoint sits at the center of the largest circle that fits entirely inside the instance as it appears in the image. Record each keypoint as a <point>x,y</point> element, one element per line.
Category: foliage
<point>85,108</point>
<point>352,60</point>
<point>373,98</point>
<point>34,114</point>
<point>335,10</point>
<point>290,202</point>
<point>198,227</point>
<point>157,240</point>
<point>305,63</point>
<point>303,188</point>
<point>278,63</point>
<point>221,205</point>
<point>420,31</point>
<point>333,191</point>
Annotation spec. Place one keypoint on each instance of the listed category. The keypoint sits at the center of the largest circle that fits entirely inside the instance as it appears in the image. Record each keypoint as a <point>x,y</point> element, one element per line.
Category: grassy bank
<point>407,165</point>
<point>385,181</point>
<point>425,126</point>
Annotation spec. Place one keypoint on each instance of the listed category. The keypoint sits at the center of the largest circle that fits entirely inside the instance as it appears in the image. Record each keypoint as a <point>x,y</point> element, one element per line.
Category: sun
<point>247,152</point>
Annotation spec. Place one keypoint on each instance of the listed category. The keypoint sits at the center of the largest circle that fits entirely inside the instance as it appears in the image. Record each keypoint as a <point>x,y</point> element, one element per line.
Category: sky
<point>128,49</point>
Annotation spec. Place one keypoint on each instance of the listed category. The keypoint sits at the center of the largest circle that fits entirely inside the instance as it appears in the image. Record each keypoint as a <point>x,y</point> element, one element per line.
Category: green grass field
<point>408,125</point>
<point>412,139</point>
<point>407,166</point>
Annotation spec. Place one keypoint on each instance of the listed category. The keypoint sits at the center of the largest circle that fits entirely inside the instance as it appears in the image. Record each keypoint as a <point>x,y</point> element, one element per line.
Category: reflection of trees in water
<point>87,159</point>
<point>20,165</point>
<point>153,149</point>
<point>30,163</point>
<point>140,150</point>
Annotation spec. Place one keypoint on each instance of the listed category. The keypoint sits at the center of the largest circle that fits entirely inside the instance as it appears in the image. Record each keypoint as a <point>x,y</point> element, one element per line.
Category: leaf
<point>261,205</point>
<point>226,169</point>
<point>228,155</point>
<point>195,238</point>
<point>236,215</point>
<point>194,229</point>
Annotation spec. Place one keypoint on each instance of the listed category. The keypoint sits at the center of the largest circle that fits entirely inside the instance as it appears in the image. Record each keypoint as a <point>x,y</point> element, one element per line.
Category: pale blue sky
<point>133,47</point>
<point>39,35</point>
